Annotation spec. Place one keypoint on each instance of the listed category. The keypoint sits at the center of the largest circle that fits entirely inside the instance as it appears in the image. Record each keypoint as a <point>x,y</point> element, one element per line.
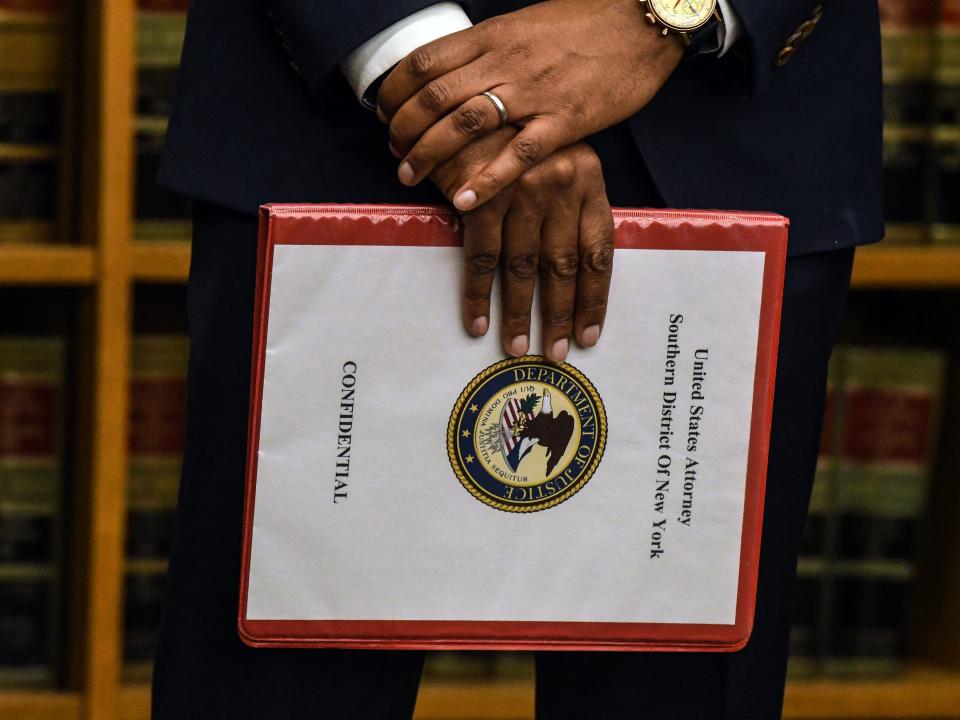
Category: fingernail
<point>405,173</point>
<point>519,345</point>
<point>591,335</point>
<point>465,200</point>
<point>380,116</point>
<point>394,151</point>
<point>558,353</point>
<point>479,326</point>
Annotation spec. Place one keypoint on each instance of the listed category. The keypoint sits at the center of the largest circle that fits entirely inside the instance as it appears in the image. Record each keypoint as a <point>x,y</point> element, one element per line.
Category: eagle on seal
<point>523,429</point>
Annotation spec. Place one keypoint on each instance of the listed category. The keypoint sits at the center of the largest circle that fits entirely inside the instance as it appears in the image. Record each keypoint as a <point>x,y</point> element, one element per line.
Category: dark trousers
<point>203,671</point>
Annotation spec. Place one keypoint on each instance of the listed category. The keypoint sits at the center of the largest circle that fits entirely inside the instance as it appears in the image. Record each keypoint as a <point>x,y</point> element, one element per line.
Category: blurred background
<point>93,349</point>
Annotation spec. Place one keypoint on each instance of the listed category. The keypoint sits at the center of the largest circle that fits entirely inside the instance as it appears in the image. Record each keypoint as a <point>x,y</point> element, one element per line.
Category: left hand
<point>555,222</point>
<point>564,69</point>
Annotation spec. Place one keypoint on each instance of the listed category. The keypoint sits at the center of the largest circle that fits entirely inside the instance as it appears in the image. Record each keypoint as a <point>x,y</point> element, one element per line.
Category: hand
<point>564,69</point>
<point>556,220</point>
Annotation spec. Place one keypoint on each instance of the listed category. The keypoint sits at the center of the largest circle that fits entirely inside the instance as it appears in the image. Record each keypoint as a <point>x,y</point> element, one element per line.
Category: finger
<point>435,100</point>
<point>520,257</point>
<point>559,262</point>
<point>535,142</point>
<point>474,119</point>
<point>481,256</point>
<point>596,267</point>
<point>424,64</point>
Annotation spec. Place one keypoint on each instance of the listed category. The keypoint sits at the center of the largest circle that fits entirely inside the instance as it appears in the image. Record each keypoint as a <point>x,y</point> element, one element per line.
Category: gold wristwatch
<point>683,18</point>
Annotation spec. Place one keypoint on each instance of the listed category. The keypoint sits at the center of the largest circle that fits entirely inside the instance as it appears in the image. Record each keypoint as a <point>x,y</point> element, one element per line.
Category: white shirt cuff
<point>730,29</point>
<point>377,55</point>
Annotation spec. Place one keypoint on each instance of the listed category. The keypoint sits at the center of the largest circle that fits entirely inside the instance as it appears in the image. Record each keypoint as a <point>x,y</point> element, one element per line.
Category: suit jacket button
<point>783,57</point>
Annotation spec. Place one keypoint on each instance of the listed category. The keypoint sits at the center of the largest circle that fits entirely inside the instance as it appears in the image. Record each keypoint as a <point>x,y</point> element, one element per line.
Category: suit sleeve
<point>318,34</point>
<point>767,24</point>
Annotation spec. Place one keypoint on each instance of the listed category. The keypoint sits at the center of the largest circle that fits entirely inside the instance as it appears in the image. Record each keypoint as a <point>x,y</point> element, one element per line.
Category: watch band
<point>706,40</point>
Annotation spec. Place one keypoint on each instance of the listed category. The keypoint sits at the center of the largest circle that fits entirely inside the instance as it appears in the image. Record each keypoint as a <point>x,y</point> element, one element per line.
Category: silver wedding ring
<point>498,104</point>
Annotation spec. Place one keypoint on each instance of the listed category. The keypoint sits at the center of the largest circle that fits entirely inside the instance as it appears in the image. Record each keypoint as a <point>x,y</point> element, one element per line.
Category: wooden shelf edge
<point>907,267</point>
<point>168,261</point>
<point>34,264</point>
<point>927,693</point>
<point>165,261</point>
<point>436,701</point>
<point>875,267</point>
<point>507,700</point>
<point>133,702</point>
<point>922,692</point>
<point>39,705</point>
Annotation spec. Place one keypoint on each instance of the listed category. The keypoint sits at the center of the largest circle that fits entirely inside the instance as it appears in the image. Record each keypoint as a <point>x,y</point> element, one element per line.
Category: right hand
<point>565,69</point>
<point>554,221</point>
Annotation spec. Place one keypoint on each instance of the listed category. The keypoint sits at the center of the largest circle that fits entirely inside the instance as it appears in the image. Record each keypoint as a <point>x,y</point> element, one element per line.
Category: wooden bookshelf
<point>106,260</point>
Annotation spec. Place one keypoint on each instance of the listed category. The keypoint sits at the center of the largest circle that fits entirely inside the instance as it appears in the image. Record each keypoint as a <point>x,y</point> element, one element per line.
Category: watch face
<point>684,15</point>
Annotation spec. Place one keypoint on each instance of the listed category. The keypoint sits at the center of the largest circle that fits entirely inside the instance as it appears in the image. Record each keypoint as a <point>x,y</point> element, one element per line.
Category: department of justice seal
<point>526,434</point>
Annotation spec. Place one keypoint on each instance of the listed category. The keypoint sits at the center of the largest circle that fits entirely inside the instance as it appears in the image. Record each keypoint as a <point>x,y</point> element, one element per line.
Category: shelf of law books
<point>36,360</point>
<point>32,423</point>
<point>921,55</point>
<point>37,409</point>
<point>159,215</point>
<point>157,412</point>
<point>877,611</point>
<point>878,476</point>
<point>37,145</point>
<point>33,38</point>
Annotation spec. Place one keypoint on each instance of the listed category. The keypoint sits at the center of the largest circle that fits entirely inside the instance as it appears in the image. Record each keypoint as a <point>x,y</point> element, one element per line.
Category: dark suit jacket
<point>262,115</point>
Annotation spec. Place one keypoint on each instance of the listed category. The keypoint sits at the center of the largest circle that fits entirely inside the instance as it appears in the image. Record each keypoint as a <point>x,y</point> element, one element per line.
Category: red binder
<point>400,541</point>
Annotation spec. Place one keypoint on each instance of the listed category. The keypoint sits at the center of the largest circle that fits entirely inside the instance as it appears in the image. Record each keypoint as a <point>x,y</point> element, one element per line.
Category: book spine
<point>157,426</point>
<point>946,129</point>
<point>908,51</point>
<point>160,30</point>
<point>31,386</point>
<point>159,214</point>
<point>805,628</point>
<point>144,588</point>
<point>891,411</point>
<point>27,599</point>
